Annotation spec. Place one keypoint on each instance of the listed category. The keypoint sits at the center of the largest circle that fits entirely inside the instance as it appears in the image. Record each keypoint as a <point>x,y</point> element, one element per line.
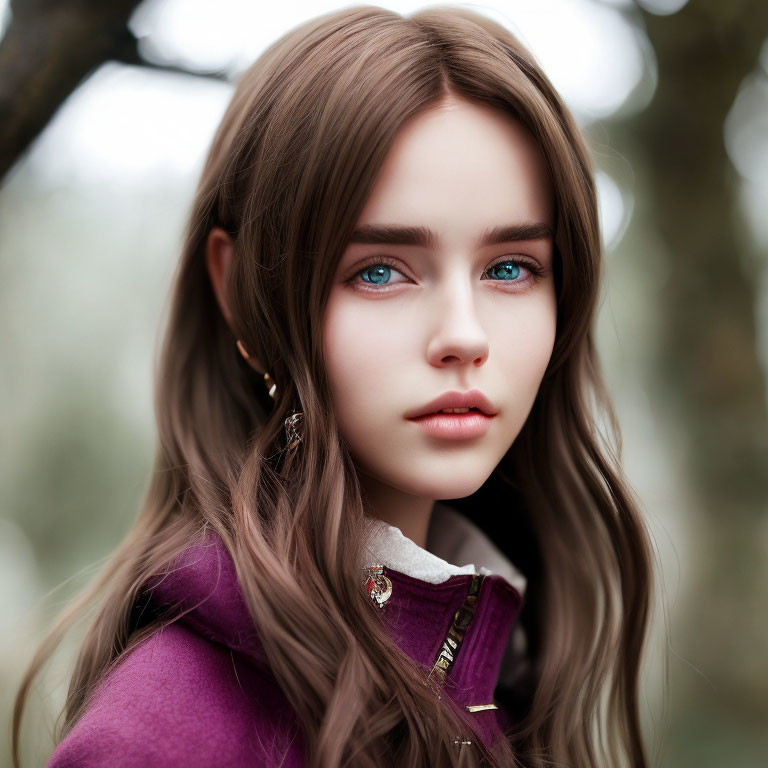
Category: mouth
<point>456,404</point>
<point>449,412</point>
<point>448,424</point>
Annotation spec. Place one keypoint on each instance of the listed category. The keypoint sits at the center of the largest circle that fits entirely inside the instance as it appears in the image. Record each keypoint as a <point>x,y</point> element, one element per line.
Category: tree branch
<point>50,47</point>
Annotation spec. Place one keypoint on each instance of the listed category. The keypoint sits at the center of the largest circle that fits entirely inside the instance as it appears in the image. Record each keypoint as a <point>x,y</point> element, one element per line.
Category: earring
<point>268,380</point>
<point>270,385</point>
<point>292,425</point>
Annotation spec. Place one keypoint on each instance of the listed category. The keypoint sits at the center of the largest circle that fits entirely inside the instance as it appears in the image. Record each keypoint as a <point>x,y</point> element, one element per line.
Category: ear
<point>218,257</point>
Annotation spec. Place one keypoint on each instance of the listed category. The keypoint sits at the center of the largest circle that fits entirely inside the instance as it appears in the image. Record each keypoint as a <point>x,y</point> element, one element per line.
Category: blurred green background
<point>107,108</point>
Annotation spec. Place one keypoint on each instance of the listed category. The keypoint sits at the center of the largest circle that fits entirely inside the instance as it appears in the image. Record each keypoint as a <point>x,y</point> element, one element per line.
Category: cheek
<point>361,352</point>
<point>523,345</point>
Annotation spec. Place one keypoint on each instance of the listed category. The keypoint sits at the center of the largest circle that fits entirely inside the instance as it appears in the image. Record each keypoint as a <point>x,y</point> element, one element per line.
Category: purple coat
<point>200,692</point>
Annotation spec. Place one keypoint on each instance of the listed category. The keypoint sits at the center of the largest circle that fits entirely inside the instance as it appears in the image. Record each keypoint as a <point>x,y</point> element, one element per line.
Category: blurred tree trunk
<point>709,376</point>
<point>49,48</point>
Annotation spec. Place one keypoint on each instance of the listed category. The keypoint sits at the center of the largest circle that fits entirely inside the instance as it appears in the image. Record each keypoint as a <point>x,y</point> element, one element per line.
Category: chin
<point>447,488</point>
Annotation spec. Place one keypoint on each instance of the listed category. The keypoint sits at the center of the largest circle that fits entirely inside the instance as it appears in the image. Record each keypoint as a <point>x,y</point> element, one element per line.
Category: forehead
<point>461,169</point>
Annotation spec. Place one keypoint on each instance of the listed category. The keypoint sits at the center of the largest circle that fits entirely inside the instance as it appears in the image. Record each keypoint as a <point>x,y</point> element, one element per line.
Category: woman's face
<point>409,321</point>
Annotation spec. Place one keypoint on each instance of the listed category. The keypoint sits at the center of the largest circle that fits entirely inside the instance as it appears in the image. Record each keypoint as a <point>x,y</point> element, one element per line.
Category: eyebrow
<point>390,234</point>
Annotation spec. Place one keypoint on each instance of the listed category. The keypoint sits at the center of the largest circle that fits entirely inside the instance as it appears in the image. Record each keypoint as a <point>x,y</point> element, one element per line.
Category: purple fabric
<point>199,693</point>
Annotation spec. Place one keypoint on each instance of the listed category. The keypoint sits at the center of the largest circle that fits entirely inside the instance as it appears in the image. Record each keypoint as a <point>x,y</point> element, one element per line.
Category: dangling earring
<point>292,426</point>
<point>294,422</point>
<point>268,380</point>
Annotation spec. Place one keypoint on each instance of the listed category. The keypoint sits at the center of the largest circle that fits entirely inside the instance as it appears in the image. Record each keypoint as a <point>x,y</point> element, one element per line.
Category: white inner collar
<point>452,538</point>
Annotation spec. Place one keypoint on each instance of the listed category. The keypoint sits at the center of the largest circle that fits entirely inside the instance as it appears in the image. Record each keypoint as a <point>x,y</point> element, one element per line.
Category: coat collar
<point>429,590</point>
<point>430,584</point>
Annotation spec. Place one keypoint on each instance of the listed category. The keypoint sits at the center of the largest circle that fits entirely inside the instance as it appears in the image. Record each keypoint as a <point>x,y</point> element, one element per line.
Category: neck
<point>411,514</point>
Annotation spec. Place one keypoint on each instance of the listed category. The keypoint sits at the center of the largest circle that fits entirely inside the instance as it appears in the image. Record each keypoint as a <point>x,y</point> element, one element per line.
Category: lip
<point>473,398</point>
<point>455,426</point>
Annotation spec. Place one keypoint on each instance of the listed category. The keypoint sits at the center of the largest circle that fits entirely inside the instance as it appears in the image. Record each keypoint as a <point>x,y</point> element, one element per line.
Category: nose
<point>458,336</point>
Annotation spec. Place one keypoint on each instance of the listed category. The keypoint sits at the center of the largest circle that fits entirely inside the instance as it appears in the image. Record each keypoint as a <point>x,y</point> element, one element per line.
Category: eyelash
<point>375,261</point>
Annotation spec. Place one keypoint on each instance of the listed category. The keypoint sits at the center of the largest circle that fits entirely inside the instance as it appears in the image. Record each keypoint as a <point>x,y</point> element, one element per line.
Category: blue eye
<point>379,273</point>
<point>506,269</point>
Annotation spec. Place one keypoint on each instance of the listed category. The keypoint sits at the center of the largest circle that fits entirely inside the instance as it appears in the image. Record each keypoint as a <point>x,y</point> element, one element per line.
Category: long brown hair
<point>292,163</point>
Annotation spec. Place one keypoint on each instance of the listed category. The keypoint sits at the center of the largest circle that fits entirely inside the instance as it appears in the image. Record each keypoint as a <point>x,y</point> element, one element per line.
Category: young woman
<point>383,526</point>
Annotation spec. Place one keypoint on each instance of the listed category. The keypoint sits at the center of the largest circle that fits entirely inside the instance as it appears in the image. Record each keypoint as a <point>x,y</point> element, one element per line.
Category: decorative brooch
<point>378,586</point>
